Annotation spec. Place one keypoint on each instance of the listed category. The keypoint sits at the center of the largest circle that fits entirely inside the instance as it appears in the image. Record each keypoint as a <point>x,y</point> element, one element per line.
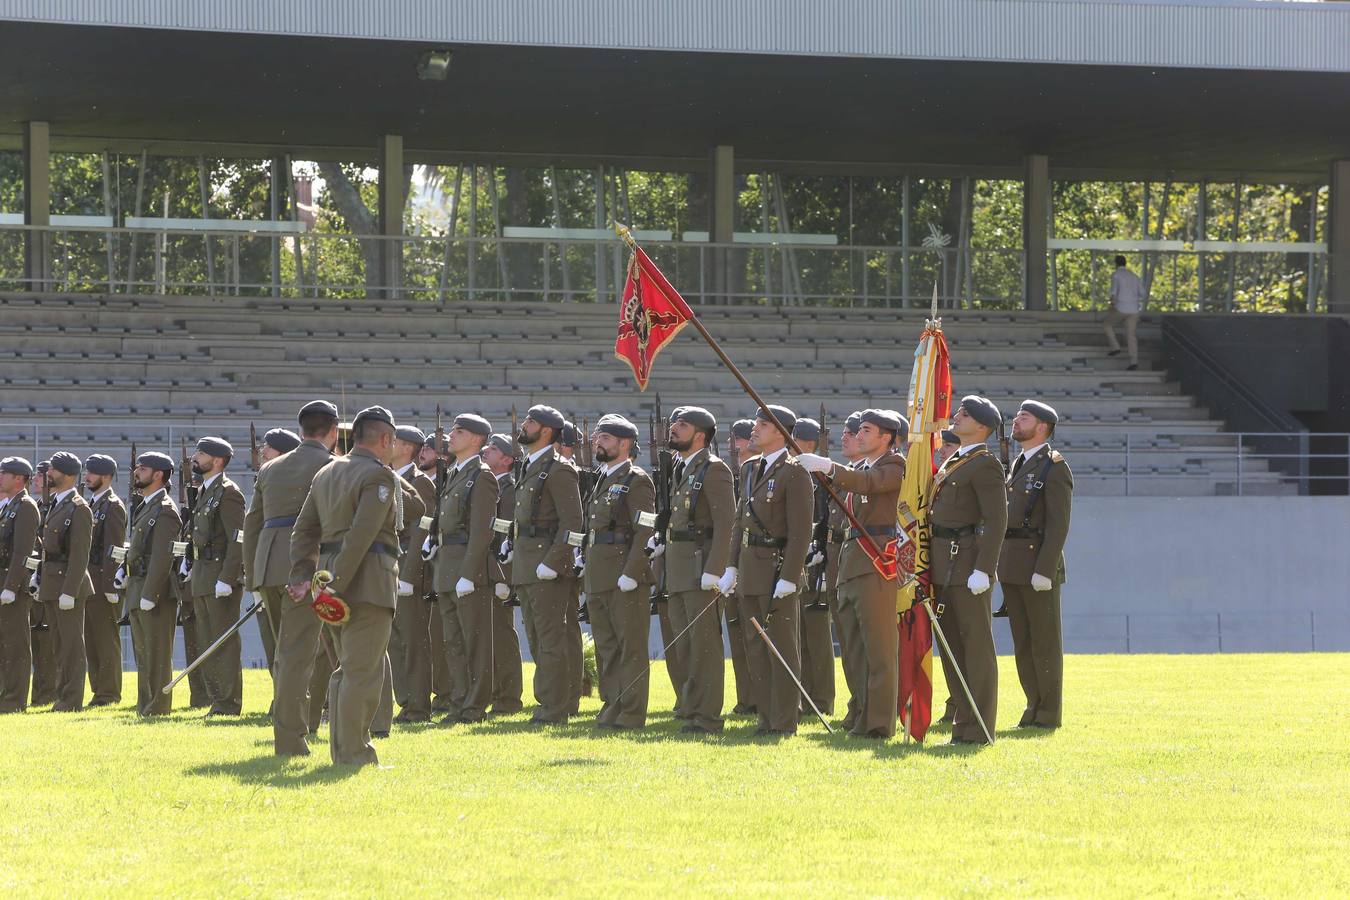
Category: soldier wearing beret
<point>147,574</point>
<point>299,666</point>
<point>1031,565</point>
<point>816,641</point>
<point>677,665</point>
<point>19,520</point>
<point>466,569</point>
<point>949,444</point>
<point>548,526</point>
<point>410,640</point>
<point>102,642</point>
<point>773,531</point>
<point>620,515</point>
<point>741,454</point>
<point>698,542</point>
<point>867,601</point>
<point>67,533</point>
<point>43,638</point>
<point>968,508</point>
<point>507,675</point>
<point>349,527</point>
<point>217,572</point>
<point>276,442</point>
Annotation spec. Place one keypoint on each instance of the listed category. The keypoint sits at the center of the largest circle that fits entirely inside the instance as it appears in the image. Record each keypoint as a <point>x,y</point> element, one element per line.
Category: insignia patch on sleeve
<point>384,493</point>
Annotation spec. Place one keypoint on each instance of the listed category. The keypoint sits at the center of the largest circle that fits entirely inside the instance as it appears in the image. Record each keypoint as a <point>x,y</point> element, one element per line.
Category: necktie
<point>1018,465</point>
<point>679,471</point>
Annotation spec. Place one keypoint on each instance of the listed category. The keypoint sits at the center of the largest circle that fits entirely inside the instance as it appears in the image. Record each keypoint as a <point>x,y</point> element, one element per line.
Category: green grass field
<point>1197,775</point>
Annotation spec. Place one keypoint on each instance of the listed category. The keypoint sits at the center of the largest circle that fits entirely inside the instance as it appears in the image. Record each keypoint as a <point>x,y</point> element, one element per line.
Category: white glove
<point>463,587</point>
<point>183,568</point>
<point>120,577</point>
<point>223,589</point>
<point>727,583</point>
<point>111,598</point>
<point>812,462</point>
<point>655,548</point>
<point>627,584</point>
<point>783,589</point>
<point>502,591</point>
<point>1041,583</point>
<point>506,552</point>
<point>544,573</point>
<point>707,582</point>
<point>6,597</point>
<point>65,601</point>
<point>33,584</point>
<point>147,605</point>
<point>404,589</point>
<point>578,561</point>
<point>978,582</point>
<point>816,558</point>
<point>429,549</point>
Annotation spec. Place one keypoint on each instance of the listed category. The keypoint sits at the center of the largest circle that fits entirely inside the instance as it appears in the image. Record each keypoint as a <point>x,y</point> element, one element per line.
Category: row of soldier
<point>430,542</point>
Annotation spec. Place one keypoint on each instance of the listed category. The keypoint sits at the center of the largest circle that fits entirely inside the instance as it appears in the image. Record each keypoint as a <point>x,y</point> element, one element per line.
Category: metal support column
<point>37,203</point>
<point>391,213</point>
<point>1035,230</point>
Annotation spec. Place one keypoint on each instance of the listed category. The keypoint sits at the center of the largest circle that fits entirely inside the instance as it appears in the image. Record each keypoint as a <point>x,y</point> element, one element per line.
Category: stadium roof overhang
<point>812,97</point>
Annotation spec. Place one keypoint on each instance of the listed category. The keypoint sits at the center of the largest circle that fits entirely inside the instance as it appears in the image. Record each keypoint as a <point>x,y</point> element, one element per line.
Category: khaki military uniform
<point>617,532</point>
<point>198,697</point>
<point>698,542</point>
<point>773,531</point>
<point>18,536</point>
<point>816,640</point>
<point>102,641</point>
<point>737,632</point>
<point>968,509</point>
<point>217,551</point>
<point>410,654</point>
<point>149,576</point>
<point>468,509</point>
<point>548,524</point>
<point>300,668</point>
<point>507,668</point>
<point>867,601</point>
<point>1040,500</point>
<point>349,525</point>
<point>67,534</point>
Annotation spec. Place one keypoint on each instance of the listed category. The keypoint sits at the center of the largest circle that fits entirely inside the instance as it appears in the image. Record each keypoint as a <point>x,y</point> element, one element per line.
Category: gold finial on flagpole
<point>622,231</point>
<point>933,320</point>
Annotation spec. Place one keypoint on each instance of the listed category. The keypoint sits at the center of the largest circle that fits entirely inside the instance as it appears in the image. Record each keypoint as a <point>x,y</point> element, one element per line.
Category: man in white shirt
<point>1127,298</point>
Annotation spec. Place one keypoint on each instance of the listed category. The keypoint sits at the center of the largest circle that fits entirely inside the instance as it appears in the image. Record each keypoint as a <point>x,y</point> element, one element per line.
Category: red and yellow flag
<point>930,406</point>
<point>651,314</point>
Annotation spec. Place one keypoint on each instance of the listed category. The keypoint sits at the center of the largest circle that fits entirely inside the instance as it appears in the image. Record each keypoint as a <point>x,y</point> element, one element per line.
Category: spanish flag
<point>930,406</point>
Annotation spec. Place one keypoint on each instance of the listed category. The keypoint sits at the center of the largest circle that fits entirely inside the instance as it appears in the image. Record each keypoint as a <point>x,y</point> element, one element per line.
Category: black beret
<point>99,464</point>
<point>1043,411</point>
<point>546,416</point>
<point>216,447</point>
<point>674,415</point>
<point>982,410</point>
<point>16,465</point>
<point>65,462</point>
<point>375,413</point>
<point>949,437</point>
<point>153,459</point>
<point>474,423</point>
<point>617,426</point>
<point>281,440</point>
<point>568,435</point>
<point>853,421</point>
<point>886,419</point>
<point>410,433</point>
<point>903,434</point>
<point>806,430</point>
<point>503,443</point>
<point>318,407</point>
<point>694,415</point>
<point>741,429</point>
<point>786,417</point>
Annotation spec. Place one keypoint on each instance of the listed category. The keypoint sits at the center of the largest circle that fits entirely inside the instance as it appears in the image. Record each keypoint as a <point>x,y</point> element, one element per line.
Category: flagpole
<point>864,537</point>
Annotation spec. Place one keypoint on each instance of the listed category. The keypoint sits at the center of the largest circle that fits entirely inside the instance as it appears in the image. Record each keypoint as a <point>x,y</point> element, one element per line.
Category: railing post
<point>1239,464</point>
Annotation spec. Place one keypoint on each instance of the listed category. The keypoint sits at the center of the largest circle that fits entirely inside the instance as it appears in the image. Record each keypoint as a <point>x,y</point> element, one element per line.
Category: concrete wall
<point>1185,575</point>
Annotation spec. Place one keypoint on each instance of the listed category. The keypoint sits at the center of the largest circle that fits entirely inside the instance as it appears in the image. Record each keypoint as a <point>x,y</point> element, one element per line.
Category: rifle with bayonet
<point>820,530</point>
<point>663,470</point>
<point>188,491</point>
<point>588,476</point>
<point>432,523</point>
<point>119,554</point>
<point>34,562</point>
<point>517,471</point>
<point>254,455</point>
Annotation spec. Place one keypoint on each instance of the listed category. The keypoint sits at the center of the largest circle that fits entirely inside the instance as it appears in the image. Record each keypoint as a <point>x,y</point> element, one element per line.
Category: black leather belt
<point>280,522</point>
<point>838,535</point>
<point>953,534</point>
<point>1023,533</point>
<point>754,540</point>
<point>375,547</point>
<point>95,556</point>
<point>537,531</point>
<point>689,534</point>
<point>874,530</point>
<point>611,537</point>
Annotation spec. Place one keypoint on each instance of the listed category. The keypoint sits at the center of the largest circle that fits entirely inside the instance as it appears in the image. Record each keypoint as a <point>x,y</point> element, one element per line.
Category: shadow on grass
<point>274,771</point>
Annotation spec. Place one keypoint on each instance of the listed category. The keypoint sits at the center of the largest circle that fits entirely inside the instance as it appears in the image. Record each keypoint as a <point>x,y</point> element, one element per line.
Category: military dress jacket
<point>1040,499</point>
<point>217,536</point>
<point>18,536</point>
<point>110,529</point>
<point>67,534</point>
<point>548,519</point>
<point>150,555</point>
<point>278,494</point>
<point>469,503</point>
<point>619,521</point>
<point>702,523</point>
<point>873,496</point>
<point>773,525</point>
<point>967,496</point>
